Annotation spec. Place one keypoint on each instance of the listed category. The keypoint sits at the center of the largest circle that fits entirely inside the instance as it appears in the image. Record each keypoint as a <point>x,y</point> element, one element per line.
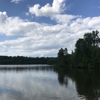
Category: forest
<point>23,60</point>
<point>85,55</point>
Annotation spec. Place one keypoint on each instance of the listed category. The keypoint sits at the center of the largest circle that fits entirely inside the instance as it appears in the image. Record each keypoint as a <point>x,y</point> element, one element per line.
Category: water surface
<point>49,84</point>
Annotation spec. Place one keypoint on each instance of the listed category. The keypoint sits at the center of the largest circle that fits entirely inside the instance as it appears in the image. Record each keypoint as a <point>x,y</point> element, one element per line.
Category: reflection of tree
<point>87,82</point>
<point>62,78</point>
<point>20,69</point>
<point>88,85</point>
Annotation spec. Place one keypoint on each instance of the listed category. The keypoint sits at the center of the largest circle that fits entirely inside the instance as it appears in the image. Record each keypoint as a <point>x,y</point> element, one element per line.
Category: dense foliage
<point>86,54</point>
<point>23,60</point>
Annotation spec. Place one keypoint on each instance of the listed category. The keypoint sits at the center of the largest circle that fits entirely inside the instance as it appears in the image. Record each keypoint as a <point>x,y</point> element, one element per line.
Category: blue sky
<point>41,27</point>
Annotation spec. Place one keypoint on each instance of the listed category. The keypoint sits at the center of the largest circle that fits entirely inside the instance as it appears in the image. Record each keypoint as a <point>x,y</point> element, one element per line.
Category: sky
<point>39,28</point>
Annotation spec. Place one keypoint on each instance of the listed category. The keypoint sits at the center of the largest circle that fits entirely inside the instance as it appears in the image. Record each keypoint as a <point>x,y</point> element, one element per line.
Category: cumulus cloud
<point>48,10</point>
<point>16,1</point>
<point>3,16</point>
<point>43,39</point>
<point>54,11</point>
<point>63,18</point>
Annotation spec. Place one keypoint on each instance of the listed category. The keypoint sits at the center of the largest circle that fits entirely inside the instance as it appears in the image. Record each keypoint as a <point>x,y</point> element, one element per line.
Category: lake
<point>49,84</point>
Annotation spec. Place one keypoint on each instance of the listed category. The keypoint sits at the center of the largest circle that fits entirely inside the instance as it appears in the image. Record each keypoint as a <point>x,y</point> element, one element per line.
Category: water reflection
<point>87,82</point>
<point>26,84</point>
<point>49,84</point>
<point>32,84</point>
<point>25,69</point>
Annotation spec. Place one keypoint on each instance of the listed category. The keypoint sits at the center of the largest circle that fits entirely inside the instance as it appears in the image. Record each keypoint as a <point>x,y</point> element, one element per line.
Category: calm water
<point>49,84</point>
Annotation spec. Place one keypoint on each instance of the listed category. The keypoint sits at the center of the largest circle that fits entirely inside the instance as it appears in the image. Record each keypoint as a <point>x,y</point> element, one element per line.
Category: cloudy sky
<point>41,27</point>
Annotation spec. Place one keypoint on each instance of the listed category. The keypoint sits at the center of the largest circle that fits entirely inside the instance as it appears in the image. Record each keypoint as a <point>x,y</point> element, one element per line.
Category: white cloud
<point>3,17</point>
<point>63,18</point>
<point>16,1</point>
<point>42,38</point>
<point>54,11</point>
<point>48,10</point>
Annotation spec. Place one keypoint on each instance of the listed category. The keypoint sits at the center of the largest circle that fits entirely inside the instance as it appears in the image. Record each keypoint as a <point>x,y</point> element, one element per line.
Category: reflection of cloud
<point>40,85</point>
<point>10,94</point>
<point>10,91</point>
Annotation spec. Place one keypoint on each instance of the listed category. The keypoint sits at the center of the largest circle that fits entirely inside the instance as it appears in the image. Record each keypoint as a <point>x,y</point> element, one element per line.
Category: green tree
<point>92,39</point>
<point>87,49</point>
<point>61,53</point>
<point>62,57</point>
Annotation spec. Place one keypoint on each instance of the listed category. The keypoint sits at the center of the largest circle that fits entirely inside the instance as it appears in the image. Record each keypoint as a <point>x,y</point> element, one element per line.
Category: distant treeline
<point>23,60</point>
<point>85,55</point>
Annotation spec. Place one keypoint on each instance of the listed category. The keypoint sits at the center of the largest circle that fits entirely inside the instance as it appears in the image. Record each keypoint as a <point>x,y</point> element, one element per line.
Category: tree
<point>87,49</point>
<point>61,53</point>
<point>92,39</point>
<point>87,52</point>
<point>62,57</point>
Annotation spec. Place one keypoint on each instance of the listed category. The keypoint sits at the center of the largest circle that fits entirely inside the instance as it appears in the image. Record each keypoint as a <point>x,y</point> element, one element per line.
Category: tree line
<point>85,55</point>
<point>23,60</point>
